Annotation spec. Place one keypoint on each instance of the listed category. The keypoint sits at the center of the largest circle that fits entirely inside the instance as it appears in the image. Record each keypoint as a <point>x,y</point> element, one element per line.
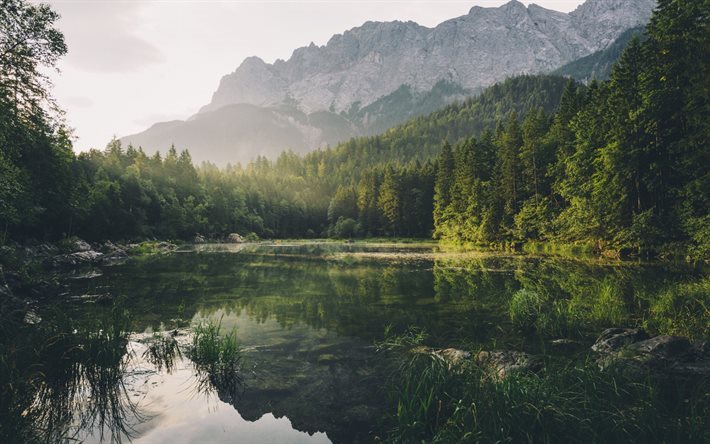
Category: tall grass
<point>217,358</point>
<point>563,403</point>
<point>601,306</point>
<point>682,309</point>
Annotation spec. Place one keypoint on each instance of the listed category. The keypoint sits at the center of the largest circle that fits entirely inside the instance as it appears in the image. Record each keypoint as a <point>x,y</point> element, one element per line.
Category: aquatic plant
<point>217,359</point>
<point>681,309</point>
<point>573,402</point>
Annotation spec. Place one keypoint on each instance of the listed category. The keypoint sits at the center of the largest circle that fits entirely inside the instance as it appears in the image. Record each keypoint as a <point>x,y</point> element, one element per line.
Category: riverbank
<point>627,388</point>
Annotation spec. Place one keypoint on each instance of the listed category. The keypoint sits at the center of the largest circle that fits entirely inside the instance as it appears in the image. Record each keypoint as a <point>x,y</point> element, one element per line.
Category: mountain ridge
<point>380,74</point>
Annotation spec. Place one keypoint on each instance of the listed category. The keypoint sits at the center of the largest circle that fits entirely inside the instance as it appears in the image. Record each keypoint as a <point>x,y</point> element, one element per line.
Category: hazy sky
<point>134,63</point>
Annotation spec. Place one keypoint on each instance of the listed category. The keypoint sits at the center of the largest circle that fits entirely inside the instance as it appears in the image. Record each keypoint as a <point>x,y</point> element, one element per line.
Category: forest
<point>618,165</point>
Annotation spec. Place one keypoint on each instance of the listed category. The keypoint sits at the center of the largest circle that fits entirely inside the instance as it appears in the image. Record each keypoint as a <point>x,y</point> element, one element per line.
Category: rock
<point>563,342</point>
<point>32,318</point>
<point>5,291</point>
<point>113,254</point>
<point>165,247</point>
<point>199,239</point>
<point>673,361</point>
<point>102,298</point>
<point>476,50</point>
<point>614,339</point>
<point>452,356</point>
<point>109,247</point>
<point>91,274</point>
<point>76,259</point>
<point>235,238</point>
<point>81,246</point>
<point>37,251</point>
<point>502,363</point>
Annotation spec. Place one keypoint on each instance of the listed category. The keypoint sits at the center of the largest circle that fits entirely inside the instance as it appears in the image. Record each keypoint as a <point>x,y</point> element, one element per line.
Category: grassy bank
<point>576,402</point>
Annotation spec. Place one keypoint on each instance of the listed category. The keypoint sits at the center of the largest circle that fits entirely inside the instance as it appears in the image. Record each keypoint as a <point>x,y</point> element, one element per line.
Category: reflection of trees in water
<point>577,297</point>
<point>66,380</point>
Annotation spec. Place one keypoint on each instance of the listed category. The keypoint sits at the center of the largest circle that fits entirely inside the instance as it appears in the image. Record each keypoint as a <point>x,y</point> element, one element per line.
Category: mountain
<point>383,73</point>
<point>598,65</point>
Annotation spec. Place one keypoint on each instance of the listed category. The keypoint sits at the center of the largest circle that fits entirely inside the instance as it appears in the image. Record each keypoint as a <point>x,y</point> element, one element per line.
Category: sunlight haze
<point>135,63</point>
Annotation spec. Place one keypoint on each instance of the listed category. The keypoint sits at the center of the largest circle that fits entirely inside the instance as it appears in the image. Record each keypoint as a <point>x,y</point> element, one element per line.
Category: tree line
<point>616,164</point>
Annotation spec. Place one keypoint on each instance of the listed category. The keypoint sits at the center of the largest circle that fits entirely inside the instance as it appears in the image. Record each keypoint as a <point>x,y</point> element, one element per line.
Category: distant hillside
<point>598,65</point>
<point>421,138</point>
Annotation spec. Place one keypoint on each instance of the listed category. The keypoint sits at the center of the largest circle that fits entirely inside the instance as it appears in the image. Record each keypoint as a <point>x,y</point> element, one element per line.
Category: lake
<point>307,317</point>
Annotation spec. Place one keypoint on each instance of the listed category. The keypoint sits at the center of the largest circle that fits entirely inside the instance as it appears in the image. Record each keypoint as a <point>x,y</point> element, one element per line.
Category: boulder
<point>502,363</point>
<point>199,239</point>
<point>109,247</point>
<point>235,238</point>
<point>673,361</point>
<point>41,251</point>
<point>77,259</point>
<point>614,339</point>
<point>80,246</point>
<point>114,254</point>
<point>452,356</point>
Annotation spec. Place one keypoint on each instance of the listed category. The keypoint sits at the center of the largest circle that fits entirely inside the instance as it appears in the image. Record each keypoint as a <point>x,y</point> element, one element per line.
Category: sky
<point>134,63</point>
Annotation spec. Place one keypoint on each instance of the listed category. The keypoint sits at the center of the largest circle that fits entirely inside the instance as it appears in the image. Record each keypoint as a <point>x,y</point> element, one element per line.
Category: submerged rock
<point>502,363</point>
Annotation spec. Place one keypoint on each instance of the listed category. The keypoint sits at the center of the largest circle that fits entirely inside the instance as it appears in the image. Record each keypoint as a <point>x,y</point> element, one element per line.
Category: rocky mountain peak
<point>373,60</point>
<point>377,73</point>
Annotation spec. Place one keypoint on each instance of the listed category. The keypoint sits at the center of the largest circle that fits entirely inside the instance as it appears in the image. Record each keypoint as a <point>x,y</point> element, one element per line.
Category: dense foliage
<point>620,164</point>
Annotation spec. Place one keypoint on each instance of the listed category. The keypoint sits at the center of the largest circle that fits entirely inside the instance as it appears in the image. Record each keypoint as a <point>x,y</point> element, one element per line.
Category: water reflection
<point>306,317</point>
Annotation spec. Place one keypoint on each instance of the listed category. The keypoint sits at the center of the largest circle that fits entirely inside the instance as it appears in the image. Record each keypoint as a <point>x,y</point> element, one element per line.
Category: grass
<point>682,310</point>
<point>601,305</point>
<point>563,403</point>
<point>217,359</point>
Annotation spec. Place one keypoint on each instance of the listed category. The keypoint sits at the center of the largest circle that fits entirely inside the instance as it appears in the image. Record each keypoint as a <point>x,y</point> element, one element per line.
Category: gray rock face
<point>475,50</point>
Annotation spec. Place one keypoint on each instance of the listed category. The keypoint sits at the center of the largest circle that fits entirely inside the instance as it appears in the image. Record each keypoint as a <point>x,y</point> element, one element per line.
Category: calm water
<point>308,316</point>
